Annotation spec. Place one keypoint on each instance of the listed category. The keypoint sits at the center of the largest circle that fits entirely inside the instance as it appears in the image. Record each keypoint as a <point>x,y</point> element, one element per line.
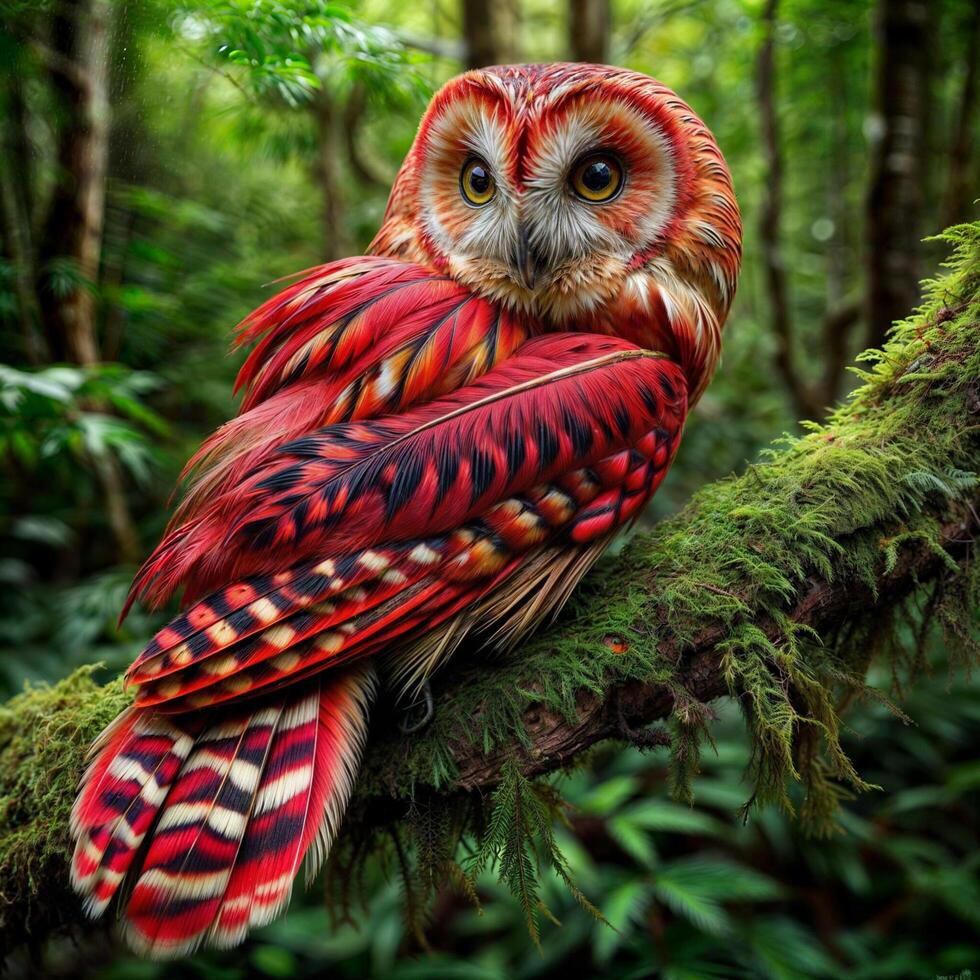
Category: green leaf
<point>663,815</point>
<point>608,795</point>
<point>624,905</point>
<point>687,898</point>
<point>633,839</point>
<point>784,950</point>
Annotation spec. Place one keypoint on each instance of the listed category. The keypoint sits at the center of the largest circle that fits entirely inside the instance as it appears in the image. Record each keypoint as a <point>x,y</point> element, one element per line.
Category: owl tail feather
<point>204,824</point>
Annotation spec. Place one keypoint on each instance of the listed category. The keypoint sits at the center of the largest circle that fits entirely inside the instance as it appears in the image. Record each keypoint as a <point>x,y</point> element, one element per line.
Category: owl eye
<point>476,183</point>
<point>597,178</point>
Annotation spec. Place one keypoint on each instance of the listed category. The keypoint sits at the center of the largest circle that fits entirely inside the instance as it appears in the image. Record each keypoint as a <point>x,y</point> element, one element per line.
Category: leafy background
<point>253,138</point>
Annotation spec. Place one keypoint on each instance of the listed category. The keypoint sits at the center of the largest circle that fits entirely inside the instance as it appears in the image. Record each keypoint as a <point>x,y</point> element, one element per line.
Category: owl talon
<point>406,724</point>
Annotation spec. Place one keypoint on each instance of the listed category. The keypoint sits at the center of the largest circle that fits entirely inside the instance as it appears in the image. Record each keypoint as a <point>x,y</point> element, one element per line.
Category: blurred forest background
<point>162,162</point>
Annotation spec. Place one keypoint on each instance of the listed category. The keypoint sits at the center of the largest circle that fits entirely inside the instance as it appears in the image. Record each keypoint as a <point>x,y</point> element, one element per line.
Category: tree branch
<point>556,740</point>
<point>769,587</point>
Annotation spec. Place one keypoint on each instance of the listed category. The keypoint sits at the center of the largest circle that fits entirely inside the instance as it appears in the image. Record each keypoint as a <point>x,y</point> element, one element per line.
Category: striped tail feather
<point>139,757</point>
<point>280,831</point>
<point>212,830</point>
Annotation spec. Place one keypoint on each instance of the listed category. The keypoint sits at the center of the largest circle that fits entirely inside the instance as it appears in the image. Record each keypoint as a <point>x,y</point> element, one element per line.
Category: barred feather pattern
<point>338,609</point>
<point>231,808</point>
<point>138,757</point>
<point>270,629</point>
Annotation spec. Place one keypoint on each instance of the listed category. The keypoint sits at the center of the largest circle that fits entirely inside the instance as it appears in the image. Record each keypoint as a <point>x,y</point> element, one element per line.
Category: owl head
<point>583,197</point>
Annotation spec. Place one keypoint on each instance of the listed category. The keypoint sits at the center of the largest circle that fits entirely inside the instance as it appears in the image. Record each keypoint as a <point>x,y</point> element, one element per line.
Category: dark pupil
<point>479,180</point>
<point>597,176</point>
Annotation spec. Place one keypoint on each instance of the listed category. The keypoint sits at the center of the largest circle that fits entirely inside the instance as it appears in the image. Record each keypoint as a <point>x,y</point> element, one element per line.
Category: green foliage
<point>58,425</point>
<point>281,46</point>
<point>516,840</point>
<point>58,412</point>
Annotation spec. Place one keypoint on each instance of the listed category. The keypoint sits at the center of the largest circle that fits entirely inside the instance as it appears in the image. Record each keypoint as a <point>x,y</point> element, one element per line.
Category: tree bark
<point>770,218</point>
<point>589,30</point>
<point>78,64</point>
<point>809,400</point>
<point>895,192</point>
<point>843,306</point>
<point>15,218</point>
<point>555,739</point>
<point>837,329</point>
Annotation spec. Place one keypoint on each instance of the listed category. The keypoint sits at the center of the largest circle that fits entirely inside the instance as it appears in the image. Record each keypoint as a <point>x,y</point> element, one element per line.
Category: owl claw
<point>406,724</point>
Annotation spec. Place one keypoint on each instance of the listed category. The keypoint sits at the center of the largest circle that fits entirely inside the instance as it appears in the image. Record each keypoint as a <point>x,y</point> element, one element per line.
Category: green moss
<point>843,504</point>
<point>44,738</point>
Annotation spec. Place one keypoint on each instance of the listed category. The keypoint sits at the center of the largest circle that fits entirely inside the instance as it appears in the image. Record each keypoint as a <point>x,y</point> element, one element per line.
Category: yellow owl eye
<point>476,183</point>
<point>597,178</point>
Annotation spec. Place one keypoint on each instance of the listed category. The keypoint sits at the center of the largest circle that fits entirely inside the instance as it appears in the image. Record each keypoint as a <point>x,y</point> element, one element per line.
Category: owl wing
<point>350,340</point>
<point>402,533</point>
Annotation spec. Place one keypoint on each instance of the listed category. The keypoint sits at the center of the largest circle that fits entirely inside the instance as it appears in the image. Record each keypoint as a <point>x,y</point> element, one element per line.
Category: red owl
<point>436,441</point>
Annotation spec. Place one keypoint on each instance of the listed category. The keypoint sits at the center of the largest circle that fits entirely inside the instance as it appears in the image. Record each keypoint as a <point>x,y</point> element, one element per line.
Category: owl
<point>436,440</point>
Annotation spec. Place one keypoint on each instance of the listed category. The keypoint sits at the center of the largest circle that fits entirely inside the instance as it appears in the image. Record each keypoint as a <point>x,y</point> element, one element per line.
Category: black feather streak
<point>406,481</point>
<point>581,435</point>
<point>516,452</point>
<point>482,472</point>
<point>651,402</point>
<point>447,469</point>
<point>547,442</point>
<point>622,420</point>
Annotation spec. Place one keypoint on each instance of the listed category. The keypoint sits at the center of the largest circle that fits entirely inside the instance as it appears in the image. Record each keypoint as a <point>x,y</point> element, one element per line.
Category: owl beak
<point>527,263</point>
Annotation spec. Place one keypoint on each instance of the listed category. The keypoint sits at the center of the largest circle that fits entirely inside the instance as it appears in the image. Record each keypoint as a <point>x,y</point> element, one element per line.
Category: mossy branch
<point>775,587</point>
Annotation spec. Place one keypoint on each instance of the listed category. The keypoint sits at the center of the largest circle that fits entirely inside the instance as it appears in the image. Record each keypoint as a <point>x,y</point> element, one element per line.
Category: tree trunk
<point>837,329</point>
<point>895,193</point>
<point>489,32</point>
<point>770,219</point>
<point>16,234</point>
<point>963,188</point>
<point>330,140</point>
<point>589,29</point>
<point>21,158</point>
<point>79,67</point>
<point>843,313</point>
